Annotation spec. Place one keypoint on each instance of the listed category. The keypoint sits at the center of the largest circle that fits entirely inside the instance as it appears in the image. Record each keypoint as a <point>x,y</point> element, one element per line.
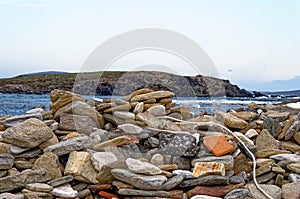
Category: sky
<point>251,42</point>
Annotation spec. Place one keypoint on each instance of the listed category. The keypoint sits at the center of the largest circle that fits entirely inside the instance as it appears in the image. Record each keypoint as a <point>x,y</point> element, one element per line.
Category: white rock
<point>186,173</point>
<point>35,110</point>
<point>137,166</point>
<point>139,108</point>
<point>54,126</point>
<point>251,133</point>
<point>39,187</point>
<point>130,128</point>
<point>64,192</point>
<point>99,159</point>
<point>158,110</point>
<point>157,159</point>
<point>294,105</point>
<point>244,138</point>
<point>124,115</point>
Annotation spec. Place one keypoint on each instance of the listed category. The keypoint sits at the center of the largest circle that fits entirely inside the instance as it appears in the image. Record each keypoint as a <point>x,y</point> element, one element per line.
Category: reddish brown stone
<point>176,194</point>
<point>241,164</point>
<point>218,145</point>
<point>217,191</point>
<point>99,187</point>
<point>107,195</point>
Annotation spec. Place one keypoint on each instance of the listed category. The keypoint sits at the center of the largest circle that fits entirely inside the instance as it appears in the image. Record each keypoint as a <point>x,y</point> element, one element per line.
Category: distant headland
<point>104,83</point>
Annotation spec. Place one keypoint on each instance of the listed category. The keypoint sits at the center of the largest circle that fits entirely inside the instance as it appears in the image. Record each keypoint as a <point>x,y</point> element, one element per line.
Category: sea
<point>17,104</point>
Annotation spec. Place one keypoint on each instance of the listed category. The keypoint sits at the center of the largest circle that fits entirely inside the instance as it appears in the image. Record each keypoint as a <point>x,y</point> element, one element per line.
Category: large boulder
<point>28,134</point>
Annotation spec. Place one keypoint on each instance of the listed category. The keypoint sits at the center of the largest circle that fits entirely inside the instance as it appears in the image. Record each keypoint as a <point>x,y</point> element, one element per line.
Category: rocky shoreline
<point>143,147</point>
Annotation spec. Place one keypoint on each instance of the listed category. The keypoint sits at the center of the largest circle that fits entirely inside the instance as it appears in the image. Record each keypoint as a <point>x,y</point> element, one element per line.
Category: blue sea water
<point>16,104</point>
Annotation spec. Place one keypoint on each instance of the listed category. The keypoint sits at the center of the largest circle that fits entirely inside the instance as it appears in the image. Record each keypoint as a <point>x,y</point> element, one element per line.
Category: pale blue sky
<point>250,42</point>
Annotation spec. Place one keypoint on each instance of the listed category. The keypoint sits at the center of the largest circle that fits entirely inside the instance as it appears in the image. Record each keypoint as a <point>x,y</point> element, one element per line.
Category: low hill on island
<point>121,83</point>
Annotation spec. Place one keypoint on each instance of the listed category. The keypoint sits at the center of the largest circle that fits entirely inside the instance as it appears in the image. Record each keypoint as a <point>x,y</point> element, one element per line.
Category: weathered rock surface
<point>231,121</point>
<point>291,190</point>
<point>18,181</point>
<point>70,145</point>
<point>79,165</point>
<point>42,187</point>
<point>100,159</point>
<point>49,162</point>
<point>130,128</point>
<point>82,124</point>
<point>140,167</point>
<point>140,181</point>
<point>205,180</point>
<point>274,191</point>
<point>28,134</point>
<point>177,144</point>
<point>6,161</point>
<point>266,141</point>
<point>134,192</point>
<point>14,120</point>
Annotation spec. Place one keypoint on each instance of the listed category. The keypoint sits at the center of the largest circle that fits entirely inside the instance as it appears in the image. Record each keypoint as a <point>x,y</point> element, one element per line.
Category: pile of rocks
<point>143,146</point>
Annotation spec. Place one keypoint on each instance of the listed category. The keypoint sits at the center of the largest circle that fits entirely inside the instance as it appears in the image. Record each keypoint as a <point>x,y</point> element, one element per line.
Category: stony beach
<point>144,146</point>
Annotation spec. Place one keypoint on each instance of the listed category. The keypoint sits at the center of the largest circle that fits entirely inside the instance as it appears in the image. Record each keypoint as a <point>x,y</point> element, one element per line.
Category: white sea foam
<point>222,101</point>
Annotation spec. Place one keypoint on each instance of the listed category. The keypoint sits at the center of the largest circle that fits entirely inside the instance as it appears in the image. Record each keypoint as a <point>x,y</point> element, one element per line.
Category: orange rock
<point>2,128</point>
<point>108,195</point>
<point>218,145</point>
<point>71,135</point>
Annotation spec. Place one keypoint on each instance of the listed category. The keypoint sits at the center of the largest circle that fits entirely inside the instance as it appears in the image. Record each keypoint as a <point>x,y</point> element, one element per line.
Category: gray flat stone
<point>134,192</point>
<point>67,146</point>
<point>137,166</point>
<point>140,181</point>
<point>237,194</point>
<point>130,128</point>
<point>39,187</point>
<point>60,181</point>
<point>14,120</point>
<point>17,150</point>
<point>172,182</point>
<point>205,180</point>
<point>18,181</point>
<point>29,154</point>
<point>6,161</point>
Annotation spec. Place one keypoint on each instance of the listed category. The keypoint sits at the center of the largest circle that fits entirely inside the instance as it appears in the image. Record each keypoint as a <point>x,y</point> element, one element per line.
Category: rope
<point>228,131</point>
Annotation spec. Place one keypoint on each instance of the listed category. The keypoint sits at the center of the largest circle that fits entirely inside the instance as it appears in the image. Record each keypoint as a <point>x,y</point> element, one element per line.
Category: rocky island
<point>142,146</point>
<point>105,83</point>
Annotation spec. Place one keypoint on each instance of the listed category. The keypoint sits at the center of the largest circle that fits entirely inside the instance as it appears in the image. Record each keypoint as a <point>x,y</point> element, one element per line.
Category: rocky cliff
<point>122,83</point>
